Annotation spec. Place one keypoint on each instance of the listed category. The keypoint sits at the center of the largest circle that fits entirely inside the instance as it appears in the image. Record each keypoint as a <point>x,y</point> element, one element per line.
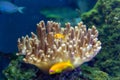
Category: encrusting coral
<point>77,44</point>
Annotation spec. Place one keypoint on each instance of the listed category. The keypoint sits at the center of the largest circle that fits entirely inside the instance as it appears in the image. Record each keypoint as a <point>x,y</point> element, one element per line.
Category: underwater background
<point>104,14</point>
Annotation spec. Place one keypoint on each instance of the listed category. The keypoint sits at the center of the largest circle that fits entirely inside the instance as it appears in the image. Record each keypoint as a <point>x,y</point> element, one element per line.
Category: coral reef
<point>17,71</point>
<point>21,71</point>
<point>43,50</point>
<point>105,66</point>
<point>93,73</point>
<point>105,15</point>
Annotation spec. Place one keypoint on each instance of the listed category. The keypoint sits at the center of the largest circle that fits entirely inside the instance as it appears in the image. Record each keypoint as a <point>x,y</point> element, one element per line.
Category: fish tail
<point>20,10</point>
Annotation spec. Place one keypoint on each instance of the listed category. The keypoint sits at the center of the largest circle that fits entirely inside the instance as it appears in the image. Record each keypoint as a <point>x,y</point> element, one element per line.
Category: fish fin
<point>69,61</point>
<point>20,10</point>
<point>70,64</point>
<point>58,71</point>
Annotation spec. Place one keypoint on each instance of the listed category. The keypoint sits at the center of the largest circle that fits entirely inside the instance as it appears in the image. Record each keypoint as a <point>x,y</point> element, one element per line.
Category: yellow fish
<point>59,36</point>
<point>59,67</point>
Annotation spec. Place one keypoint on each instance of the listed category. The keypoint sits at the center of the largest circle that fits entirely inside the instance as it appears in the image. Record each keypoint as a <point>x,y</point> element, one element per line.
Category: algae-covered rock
<point>106,16</point>
<point>93,73</point>
<point>19,71</point>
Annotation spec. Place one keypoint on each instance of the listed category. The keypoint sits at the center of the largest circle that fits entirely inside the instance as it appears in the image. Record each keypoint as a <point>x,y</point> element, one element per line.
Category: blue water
<point>13,26</point>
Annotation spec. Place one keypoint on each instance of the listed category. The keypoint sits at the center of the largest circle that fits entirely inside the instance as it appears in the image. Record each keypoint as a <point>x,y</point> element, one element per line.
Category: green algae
<point>106,17</point>
<point>17,71</point>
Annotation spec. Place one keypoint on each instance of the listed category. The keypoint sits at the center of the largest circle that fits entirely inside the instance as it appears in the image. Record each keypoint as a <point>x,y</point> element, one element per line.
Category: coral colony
<point>74,44</point>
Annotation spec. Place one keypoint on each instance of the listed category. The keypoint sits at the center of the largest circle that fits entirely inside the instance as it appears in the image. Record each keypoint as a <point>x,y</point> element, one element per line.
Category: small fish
<point>59,67</point>
<point>59,36</point>
<point>8,7</point>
